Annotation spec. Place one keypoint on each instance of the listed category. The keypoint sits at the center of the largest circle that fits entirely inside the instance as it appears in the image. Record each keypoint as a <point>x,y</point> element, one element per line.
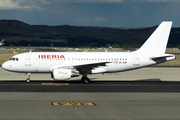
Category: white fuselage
<point>42,62</point>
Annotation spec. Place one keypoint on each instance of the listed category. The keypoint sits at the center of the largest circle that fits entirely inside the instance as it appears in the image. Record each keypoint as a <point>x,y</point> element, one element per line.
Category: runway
<point>144,94</point>
<point>97,86</point>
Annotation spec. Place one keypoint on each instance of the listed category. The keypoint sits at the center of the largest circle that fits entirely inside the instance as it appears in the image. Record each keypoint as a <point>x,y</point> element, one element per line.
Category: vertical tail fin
<point>157,42</point>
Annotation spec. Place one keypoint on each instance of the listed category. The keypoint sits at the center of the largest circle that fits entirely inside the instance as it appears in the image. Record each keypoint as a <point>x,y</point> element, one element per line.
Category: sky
<point>103,13</point>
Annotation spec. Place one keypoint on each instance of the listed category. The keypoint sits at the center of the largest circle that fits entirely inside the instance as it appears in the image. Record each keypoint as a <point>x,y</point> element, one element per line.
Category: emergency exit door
<point>136,60</point>
<point>28,60</point>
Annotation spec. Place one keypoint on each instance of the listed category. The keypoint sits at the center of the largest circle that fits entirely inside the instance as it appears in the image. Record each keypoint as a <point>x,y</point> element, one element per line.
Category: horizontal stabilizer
<point>164,56</point>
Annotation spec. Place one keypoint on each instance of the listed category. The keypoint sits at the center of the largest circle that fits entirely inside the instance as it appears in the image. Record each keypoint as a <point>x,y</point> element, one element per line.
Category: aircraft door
<point>136,60</point>
<point>72,60</point>
<point>28,60</point>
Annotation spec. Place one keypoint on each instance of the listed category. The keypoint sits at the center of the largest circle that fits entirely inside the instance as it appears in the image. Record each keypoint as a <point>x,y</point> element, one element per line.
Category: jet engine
<point>64,74</point>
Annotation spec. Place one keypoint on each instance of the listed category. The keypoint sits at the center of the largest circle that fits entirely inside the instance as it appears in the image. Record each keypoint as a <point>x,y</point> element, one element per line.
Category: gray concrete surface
<point>109,105</point>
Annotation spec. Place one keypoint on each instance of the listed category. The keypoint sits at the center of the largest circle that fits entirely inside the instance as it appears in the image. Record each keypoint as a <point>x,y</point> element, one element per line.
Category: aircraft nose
<point>5,66</point>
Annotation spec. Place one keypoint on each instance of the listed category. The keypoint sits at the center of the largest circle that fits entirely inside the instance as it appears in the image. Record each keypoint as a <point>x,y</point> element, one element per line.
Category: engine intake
<point>64,74</point>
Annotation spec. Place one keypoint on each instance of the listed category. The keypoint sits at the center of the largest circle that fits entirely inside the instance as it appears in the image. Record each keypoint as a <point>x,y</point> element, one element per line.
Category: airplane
<point>65,65</point>
<point>2,42</point>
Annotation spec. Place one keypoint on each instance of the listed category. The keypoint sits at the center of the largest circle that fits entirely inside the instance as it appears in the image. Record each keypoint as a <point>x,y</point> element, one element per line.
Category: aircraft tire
<point>85,80</point>
<point>28,80</point>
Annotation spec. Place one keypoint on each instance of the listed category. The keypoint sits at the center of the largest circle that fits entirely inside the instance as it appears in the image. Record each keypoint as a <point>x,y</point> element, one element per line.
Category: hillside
<point>19,33</point>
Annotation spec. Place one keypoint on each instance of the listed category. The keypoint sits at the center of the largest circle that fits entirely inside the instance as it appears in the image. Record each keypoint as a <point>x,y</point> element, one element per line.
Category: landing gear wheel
<point>28,80</point>
<point>85,80</point>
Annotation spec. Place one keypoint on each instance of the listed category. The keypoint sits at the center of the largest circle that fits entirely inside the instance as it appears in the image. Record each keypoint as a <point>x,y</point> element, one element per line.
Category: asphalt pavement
<point>144,94</point>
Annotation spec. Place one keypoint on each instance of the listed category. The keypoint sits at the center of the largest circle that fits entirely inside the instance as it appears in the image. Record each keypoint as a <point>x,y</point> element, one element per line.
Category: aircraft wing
<point>85,67</point>
<point>80,67</point>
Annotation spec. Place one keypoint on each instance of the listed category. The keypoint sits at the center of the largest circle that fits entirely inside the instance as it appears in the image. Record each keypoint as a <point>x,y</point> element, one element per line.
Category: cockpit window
<point>14,59</point>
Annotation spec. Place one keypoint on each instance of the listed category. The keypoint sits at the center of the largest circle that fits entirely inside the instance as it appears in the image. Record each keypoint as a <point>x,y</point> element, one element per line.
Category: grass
<point>170,50</point>
<point>6,54</point>
<point>173,62</point>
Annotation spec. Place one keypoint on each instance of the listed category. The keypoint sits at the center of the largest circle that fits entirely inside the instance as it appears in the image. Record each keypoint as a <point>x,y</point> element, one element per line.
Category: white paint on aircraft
<point>65,65</point>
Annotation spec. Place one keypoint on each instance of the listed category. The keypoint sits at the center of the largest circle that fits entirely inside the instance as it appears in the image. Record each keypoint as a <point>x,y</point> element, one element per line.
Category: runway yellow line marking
<point>56,84</point>
<point>74,104</point>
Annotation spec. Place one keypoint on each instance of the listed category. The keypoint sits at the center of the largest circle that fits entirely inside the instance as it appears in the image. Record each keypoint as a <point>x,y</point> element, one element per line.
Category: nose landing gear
<point>28,78</point>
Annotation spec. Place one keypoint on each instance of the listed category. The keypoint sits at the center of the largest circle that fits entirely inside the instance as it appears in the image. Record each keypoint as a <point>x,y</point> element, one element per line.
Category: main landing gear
<point>28,78</point>
<point>85,80</point>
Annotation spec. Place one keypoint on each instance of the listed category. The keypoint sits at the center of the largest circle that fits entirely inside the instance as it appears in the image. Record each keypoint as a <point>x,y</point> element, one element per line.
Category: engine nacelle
<point>64,74</point>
